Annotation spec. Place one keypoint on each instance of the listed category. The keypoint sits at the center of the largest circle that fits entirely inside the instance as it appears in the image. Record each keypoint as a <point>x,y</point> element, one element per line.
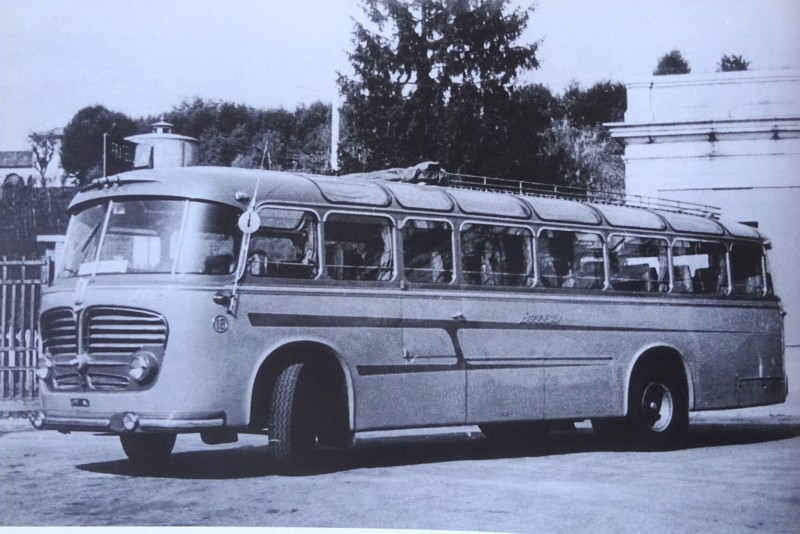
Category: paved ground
<point>740,472</point>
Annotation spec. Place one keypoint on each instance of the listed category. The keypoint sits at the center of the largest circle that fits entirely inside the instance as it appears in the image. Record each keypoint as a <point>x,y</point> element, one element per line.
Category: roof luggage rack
<point>537,189</point>
<point>432,173</point>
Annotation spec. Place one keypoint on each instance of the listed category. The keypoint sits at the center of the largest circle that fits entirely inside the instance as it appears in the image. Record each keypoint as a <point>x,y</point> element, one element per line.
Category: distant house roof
<point>14,159</point>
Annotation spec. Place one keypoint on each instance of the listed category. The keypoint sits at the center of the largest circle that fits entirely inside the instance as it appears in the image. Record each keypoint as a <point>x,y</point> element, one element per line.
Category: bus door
<point>430,371</point>
<point>505,377</point>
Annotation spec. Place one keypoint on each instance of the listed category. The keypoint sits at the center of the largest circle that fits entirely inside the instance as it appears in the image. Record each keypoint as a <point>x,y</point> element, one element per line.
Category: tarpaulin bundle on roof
<point>427,172</point>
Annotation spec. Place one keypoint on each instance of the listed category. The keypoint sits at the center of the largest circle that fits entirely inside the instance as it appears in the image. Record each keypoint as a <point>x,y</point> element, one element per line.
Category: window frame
<point>455,279</point>
<point>692,239</point>
<point>354,213</point>
<point>460,265</point>
<point>641,235</point>
<point>273,279</point>
<point>762,267</point>
<point>594,231</point>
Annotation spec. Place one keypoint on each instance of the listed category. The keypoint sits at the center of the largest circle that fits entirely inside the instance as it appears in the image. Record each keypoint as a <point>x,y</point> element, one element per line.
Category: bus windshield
<point>151,236</point>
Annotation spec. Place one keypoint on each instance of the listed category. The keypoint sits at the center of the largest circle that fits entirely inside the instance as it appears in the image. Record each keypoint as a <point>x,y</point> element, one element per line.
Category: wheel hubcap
<point>657,406</point>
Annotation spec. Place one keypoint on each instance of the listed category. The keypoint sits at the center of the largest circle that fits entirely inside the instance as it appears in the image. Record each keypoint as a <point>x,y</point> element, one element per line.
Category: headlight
<point>143,366</point>
<point>44,367</point>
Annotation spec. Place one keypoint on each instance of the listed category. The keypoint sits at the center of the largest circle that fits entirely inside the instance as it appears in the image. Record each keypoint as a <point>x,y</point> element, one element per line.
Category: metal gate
<point>21,285</point>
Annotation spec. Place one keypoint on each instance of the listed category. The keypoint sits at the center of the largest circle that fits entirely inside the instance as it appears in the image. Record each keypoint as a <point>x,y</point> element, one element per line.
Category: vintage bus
<point>309,308</point>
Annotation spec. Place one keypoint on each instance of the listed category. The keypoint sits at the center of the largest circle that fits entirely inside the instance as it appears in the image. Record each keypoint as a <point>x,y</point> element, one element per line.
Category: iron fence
<point>21,286</point>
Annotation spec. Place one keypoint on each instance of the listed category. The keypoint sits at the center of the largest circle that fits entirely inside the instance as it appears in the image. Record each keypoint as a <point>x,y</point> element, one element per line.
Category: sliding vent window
<point>497,255</point>
<point>639,264</point>
<point>747,269</point>
<point>359,248</point>
<point>699,267</point>
<point>428,252</point>
<point>570,260</point>
<point>284,246</point>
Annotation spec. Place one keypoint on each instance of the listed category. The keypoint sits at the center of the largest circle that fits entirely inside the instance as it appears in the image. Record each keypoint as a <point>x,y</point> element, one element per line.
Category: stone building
<point>730,140</point>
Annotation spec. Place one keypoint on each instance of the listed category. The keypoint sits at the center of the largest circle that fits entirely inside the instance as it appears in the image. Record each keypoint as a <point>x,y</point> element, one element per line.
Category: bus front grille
<point>59,328</point>
<point>109,335</point>
<point>112,331</point>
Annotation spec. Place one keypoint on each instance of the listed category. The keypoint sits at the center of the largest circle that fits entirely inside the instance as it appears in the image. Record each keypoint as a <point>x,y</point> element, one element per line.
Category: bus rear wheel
<point>658,409</point>
<point>292,421</point>
<point>147,449</point>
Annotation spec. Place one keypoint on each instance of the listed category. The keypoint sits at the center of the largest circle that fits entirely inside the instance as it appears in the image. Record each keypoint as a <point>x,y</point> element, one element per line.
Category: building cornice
<point>775,128</point>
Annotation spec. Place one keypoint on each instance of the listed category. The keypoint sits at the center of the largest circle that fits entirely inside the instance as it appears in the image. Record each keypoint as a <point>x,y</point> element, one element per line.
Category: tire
<point>523,433</point>
<point>658,409</point>
<point>147,449</point>
<point>293,421</point>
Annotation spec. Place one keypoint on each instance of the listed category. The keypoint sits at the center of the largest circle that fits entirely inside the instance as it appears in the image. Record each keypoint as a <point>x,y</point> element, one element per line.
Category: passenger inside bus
<point>359,248</point>
<point>284,246</point>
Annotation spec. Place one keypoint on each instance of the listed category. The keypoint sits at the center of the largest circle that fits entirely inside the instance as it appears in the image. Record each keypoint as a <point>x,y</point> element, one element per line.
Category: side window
<point>497,255</point>
<point>570,260</point>
<point>285,245</point>
<point>699,267</point>
<point>428,252</point>
<point>359,248</point>
<point>638,264</point>
<point>746,271</point>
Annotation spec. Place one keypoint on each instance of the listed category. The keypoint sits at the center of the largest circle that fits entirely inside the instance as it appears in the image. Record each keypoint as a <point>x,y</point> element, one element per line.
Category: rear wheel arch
<point>659,355</point>
<point>322,360</point>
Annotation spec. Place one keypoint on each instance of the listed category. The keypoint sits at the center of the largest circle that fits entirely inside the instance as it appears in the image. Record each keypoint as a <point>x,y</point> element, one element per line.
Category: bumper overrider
<point>128,421</point>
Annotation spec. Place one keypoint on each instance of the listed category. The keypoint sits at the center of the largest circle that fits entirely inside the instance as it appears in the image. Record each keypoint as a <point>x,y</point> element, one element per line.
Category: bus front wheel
<point>658,412</point>
<point>292,416</point>
<point>147,449</point>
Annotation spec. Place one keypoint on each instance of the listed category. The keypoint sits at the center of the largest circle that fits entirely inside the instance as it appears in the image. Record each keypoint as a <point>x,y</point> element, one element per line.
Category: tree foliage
<point>235,134</point>
<point>603,102</point>
<point>82,143</point>
<point>43,145</point>
<point>733,63</point>
<point>430,72</point>
<point>672,63</point>
<point>584,157</point>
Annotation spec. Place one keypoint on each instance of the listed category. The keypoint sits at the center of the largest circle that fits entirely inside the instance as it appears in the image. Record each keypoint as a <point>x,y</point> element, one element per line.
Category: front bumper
<point>161,422</point>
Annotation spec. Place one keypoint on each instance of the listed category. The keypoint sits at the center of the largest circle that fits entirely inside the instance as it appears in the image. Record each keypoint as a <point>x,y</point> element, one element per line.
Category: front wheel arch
<point>322,360</point>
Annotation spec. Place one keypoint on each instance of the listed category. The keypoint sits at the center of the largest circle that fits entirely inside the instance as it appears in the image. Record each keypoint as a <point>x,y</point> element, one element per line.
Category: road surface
<point>736,475</point>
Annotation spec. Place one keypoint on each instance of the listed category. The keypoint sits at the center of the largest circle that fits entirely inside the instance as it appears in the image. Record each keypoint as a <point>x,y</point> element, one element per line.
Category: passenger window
<point>497,255</point>
<point>746,269</point>
<point>638,264</point>
<point>699,267</point>
<point>359,248</point>
<point>428,252</point>
<point>285,245</point>
<point>570,260</point>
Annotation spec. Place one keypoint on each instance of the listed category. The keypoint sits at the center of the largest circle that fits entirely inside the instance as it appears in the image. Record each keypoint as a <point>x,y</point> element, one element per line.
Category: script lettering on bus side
<point>541,319</point>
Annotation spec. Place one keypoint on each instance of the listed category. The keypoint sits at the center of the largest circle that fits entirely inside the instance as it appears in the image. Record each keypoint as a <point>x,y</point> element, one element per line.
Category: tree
<point>585,157</point>
<point>234,134</point>
<point>603,102</point>
<point>672,63</point>
<point>43,145</point>
<point>732,63</point>
<point>432,72</point>
<point>82,142</point>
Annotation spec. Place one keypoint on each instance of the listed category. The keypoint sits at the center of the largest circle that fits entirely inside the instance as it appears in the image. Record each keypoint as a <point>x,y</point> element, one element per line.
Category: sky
<point>146,57</point>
